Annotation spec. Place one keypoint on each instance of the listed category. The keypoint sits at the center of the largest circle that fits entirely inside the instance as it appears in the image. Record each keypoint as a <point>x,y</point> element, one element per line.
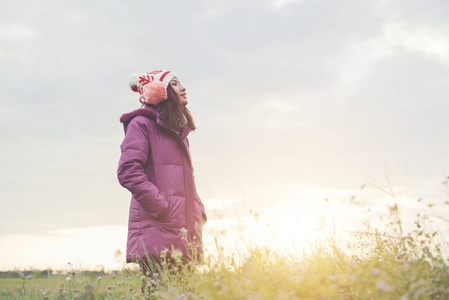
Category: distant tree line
<point>34,273</point>
<point>41,274</point>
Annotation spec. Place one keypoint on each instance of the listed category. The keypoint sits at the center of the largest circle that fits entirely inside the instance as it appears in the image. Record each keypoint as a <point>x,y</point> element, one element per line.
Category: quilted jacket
<point>166,212</point>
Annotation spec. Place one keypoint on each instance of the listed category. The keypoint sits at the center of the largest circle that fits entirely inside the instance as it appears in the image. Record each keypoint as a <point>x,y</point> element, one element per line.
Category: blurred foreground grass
<point>390,264</point>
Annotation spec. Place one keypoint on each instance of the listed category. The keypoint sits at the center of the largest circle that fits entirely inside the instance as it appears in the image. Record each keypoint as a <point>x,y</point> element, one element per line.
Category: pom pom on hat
<point>134,81</point>
<point>154,93</point>
<point>152,86</point>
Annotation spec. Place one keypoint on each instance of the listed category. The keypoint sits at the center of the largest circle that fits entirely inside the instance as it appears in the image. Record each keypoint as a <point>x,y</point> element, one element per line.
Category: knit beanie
<point>152,86</point>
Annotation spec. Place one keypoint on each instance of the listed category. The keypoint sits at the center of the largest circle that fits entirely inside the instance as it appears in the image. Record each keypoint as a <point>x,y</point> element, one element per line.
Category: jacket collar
<point>146,112</point>
<point>149,112</point>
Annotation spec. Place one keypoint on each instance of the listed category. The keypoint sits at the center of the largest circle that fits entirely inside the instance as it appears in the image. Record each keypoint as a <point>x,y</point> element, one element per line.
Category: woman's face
<point>180,90</point>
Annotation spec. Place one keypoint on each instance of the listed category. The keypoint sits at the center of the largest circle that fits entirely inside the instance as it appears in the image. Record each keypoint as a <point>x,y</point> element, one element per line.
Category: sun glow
<point>291,226</point>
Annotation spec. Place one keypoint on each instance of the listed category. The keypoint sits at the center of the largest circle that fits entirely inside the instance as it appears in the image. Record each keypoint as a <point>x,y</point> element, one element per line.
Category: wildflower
<point>435,279</point>
<point>334,278</point>
<point>181,297</point>
<point>383,286</point>
<point>404,297</point>
<point>299,268</point>
<point>29,276</point>
<point>183,231</point>
<point>75,290</point>
<point>418,293</point>
<point>201,295</point>
<point>68,279</point>
<point>216,283</point>
<point>77,296</point>
<point>99,278</point>
<point>176,254</point>
<point>88,287</point>
<point>375,271</point>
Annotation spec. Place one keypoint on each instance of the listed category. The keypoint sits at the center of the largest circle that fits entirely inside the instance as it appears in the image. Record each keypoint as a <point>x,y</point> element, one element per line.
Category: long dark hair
<point>175,115</point>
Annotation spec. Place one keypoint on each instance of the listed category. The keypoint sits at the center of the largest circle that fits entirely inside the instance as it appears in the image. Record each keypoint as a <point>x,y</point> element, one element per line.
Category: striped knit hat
<point>152,86</point>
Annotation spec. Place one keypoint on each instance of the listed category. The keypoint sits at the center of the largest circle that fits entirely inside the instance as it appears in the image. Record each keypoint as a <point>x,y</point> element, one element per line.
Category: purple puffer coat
<point>155,166</point>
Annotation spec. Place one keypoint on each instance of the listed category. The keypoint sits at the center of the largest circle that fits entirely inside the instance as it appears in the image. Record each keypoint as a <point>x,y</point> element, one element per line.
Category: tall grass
<point>388,262</point>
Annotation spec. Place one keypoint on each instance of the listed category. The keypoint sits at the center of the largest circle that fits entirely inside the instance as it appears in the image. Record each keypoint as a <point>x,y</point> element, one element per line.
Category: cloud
<point>422,39</point>
<point>310,92</point>
<point>18,33</point>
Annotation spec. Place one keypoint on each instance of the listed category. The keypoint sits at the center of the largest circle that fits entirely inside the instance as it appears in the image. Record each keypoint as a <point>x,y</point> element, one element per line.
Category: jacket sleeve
<point>131,173</point>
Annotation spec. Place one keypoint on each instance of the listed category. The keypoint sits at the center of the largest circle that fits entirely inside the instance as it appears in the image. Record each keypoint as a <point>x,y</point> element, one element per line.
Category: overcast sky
<point>294,101</point>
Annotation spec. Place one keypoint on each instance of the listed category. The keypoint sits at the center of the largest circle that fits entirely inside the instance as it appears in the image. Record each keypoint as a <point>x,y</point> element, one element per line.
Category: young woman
<point>166,213</point>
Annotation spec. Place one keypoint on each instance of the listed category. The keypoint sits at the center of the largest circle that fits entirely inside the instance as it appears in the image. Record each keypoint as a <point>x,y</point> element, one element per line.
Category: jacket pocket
<point>175,214</point>
<point>154,207</point>
<point>164,213</point>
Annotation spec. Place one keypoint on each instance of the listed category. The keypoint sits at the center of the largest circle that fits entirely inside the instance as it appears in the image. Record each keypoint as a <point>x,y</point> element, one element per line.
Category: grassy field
<point>392,264</point>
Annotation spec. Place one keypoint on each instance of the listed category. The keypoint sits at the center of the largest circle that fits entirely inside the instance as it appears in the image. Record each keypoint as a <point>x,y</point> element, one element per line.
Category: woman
<point>166,213</point>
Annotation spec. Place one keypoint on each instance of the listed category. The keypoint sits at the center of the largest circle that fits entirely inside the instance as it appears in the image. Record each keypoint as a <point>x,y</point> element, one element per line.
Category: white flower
<point>181,297</point>
<point>383,286</point>
<point>183,230</point>
<point>68,279</point>
<point>176,254</point>
<point>164,253</point>
<point>375,271</point>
